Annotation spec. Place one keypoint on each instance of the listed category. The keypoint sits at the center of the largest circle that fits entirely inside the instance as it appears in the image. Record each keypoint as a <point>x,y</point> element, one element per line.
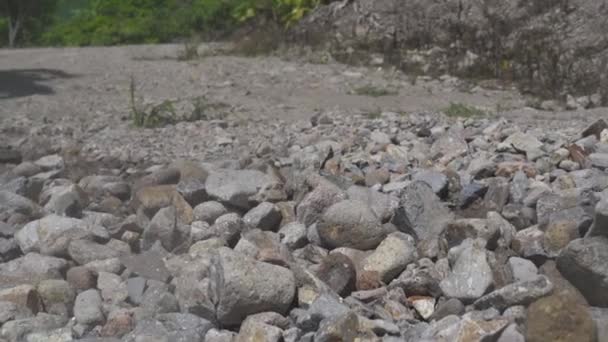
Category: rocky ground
<point>296,211</point>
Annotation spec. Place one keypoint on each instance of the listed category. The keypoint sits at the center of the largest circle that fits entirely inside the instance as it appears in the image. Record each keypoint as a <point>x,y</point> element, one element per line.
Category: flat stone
<point>421,213</point>
<point>518,293</point>
<point>583,263</point>
<point>471,275</point>
<point>392,256</point>
<point>149,265</point>
<point>522,269</point>
<point>235,187</point>
<point>87,307</point>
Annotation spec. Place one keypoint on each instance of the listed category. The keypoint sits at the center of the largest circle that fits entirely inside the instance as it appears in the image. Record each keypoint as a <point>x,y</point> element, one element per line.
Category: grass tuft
<point>462,110</point>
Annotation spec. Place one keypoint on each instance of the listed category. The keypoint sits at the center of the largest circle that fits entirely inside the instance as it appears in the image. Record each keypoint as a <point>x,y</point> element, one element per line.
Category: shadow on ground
<point>25,82</point>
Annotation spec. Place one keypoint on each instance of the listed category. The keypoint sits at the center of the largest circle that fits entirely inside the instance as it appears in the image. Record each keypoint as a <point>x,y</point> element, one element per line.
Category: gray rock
<point>583,263</point>
<point>462,229</point>
<point>50,162</point>
<point>86,251</point>
<point>215,335</point>
<point>209,211</point>
<point>113,289</point>
<point>471,275</point>
<point>9,156</point>
<point>293,235</point>
<point>392,256</point>
<point>600,222</point>
<point>599,160</point>
<point>342,328</point>
<point>18,329</point>
<point>184,326</point>
<point>149,265</point>
<point>518,293</point>
<point>523,142</point>
<point>245,286</point>
<point>65,200</point>
<point>52,234</point>
<point>522,269</point>
<point>338,272</point>
<point>235,187</point>
<point>228,228</point>
<point>449,146</point>
<point>470,193</point>
<point>135,289</point>
<point>511,334</point>
<point>31,269</point>
<point>600,316</point>
<point>253,330</point>
<point>506,230</point>
<point>312,206</point>
<point>435,179</point>
<point>383,205</point>
<point>449,307</point>
<point>265,216</point>
<point>192,190</point>
<point>27,187</point>
<point>157,299</point>
<point>11,203</point>
<point>529,243</point>
<point>421,213</point>
<point>350,224</point>
<point>87,308</point>
<point>57,296</point>
<point>166,228</point>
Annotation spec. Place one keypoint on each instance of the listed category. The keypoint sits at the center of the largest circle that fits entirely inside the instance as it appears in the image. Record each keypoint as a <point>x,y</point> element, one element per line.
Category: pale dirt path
<point>81,83</point>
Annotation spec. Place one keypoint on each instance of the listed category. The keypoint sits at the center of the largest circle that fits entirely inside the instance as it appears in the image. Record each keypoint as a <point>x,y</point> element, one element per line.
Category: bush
<point>462,110</point>
<point>110,22</point>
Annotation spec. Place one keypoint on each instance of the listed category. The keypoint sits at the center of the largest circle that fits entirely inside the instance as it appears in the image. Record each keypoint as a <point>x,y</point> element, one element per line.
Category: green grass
<point>374,91</point>
<point>462,110</point>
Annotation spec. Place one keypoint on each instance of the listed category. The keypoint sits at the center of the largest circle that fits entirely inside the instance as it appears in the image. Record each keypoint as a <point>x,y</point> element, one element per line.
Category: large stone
<point>312,206</point>
<point>149,265</point>
<point>24,296</point>
<point>87,308</point>
<point>421,213</point>
<point>9,156</point>
<point>57,295</point>
<point>86,251</point>
<point>435,179</point>
<point>583,263</point>
<point>462,229</point>
<point>350,224</point>
<point>383,205</point>
<point>31,269</point>
<point>11,203</point>
<point>265,216</point>
<point>600,222</point>
<point>518,293</point>
<point>471,275</point>
<point>599,160</point>
<point>559,318</point>
<point>166,228</point>
<point>449,146</point>
<point>235,187</point>
<point>522,269</point>
<point>392,256</point>
<point>52,234</point>
<point>65,200</point>
<point>339,273</point>
<point>523,142</point>
<point>209,211</point>
<point>245,286</point>
<point>19,329</point>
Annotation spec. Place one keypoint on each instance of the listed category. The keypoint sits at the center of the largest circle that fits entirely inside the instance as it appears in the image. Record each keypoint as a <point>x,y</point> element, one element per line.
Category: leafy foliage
<point>110,22</point>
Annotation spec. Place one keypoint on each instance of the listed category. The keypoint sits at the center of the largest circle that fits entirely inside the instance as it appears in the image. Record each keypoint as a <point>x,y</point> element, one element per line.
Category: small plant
<point>462,110</point>
<point>152,116</point>
<point>190,49</point>
<point>374,91</point>
<point>374,114</point>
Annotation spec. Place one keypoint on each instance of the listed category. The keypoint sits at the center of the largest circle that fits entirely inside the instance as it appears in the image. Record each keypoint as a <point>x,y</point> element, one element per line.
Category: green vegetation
<point>110,22</point>
<point>374,91</point>
<point>462,110</point>
<point>165,113</point>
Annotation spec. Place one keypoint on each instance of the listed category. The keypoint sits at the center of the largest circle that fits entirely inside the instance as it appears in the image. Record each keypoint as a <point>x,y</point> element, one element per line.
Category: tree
<point>20,13</point>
